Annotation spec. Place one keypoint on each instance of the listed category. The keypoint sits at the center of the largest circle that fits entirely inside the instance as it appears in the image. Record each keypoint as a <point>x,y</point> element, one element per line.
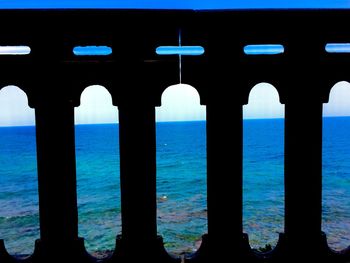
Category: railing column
<point>57,181</point>
<point>303,170</point>
<point>138,179</point>
<point>224,157</point>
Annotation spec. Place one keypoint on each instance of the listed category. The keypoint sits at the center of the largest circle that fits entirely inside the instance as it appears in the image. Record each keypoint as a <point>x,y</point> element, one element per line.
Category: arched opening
<point>263,167</point>
<point>98,173</point>
<point>336,167</point>
<point>19,202</point>
<point>181,169</point>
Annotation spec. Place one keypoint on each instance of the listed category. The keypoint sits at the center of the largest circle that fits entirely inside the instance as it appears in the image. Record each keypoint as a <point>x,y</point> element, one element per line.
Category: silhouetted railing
<point>53,78</point>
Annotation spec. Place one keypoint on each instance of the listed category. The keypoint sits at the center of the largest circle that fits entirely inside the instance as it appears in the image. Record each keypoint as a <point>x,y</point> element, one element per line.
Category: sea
<point>181,184</point>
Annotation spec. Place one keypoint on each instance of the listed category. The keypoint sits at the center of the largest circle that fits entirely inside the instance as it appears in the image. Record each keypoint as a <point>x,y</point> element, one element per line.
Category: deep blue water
<point>181,184</point>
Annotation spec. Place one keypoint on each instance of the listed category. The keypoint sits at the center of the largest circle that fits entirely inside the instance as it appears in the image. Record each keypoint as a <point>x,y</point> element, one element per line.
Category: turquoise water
<point>19,219</point>
<point>263,180</point>
<point>98,186</point>
<point>336,181</point>
<point>181,184</point>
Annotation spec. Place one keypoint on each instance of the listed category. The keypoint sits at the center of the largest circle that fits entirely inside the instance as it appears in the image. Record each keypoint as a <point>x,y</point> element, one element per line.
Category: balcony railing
<point>53,79</point>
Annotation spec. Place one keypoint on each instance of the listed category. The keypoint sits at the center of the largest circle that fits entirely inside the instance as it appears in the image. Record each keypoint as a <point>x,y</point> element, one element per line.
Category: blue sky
<point>176,4</point>
<point>179,103</point>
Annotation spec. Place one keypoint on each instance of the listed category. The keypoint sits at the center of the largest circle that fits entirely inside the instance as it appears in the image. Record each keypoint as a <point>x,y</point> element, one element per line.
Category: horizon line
<point>106,123</point>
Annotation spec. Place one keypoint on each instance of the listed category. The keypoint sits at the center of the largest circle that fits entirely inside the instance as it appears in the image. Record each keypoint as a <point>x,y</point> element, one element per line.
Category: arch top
<point>262,89</point>
<point>180,102</point>
<point>15,110</point>
<point>264,102</point>
<point>5,88</point>
<point>102,88</point>
<point>342,87</point>
<point>96,106</point>
<point>178,92</point>
<point>93,94</point>
<point>338,102</point>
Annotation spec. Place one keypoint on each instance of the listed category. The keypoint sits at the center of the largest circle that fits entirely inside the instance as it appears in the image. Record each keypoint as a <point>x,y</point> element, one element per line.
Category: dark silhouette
<point>136,76</point>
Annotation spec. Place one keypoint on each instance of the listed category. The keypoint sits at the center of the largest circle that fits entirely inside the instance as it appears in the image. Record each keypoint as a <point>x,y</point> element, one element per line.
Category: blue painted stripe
<point>180,50</point>
<point>92,51</point>
<point>269,49</point>
<point>338,48</point>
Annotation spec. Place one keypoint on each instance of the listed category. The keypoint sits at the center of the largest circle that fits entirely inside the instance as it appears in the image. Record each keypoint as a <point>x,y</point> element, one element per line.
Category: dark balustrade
<point>53,79</point>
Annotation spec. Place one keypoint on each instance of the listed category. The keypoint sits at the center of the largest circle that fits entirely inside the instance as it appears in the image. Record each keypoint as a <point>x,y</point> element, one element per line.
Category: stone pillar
<point>57,181</point>
<point>137,133</point>
<point>303,169</point>
<point>225,239</point>
<point>138,173</point>
<point>224,146</point>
